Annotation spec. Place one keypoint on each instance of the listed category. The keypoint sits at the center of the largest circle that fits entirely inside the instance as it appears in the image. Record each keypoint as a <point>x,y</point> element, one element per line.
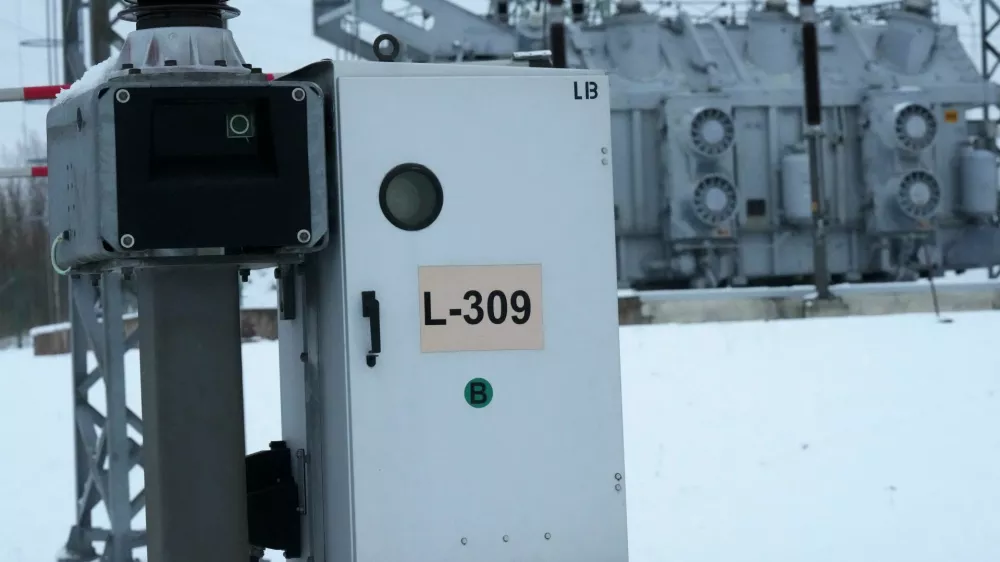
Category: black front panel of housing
<point>209,167</point>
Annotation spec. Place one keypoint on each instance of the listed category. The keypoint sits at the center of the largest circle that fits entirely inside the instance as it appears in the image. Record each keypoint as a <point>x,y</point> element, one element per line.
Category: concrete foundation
<point>792,303</point>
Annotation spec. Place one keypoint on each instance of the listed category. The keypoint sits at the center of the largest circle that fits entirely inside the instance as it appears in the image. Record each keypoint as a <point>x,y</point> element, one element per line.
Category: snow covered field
<point>842,440</point>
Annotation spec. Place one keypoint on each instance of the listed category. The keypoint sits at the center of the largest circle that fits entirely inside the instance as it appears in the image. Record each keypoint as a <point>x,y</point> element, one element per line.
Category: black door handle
<point>369,309</point>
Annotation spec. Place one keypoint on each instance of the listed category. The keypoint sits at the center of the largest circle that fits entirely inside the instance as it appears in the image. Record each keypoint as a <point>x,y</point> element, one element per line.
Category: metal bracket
<point>286,291</point>
<point>394,47</point>
<point>303,459</point>
<point>274,510</point>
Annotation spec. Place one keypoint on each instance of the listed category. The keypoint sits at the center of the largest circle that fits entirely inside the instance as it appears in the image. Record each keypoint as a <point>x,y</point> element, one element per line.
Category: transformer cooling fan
<point>915,127</point>
<point>712,131</point>
<point>714,200</point>
<point>919,194</point>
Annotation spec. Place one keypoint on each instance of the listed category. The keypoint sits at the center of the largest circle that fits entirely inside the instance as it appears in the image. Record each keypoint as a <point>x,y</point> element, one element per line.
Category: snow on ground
<point>857,439</point>
<point>36,427</point>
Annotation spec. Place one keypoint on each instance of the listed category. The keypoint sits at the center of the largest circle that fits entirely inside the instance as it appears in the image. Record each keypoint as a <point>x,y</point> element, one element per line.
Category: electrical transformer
<point>714,183</point>
<point>712,179</point>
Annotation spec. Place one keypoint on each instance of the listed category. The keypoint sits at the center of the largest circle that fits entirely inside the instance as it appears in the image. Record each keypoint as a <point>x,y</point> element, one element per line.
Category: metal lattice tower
<point>105,453</point>
<point>989,21</point>
<point>441,30</point>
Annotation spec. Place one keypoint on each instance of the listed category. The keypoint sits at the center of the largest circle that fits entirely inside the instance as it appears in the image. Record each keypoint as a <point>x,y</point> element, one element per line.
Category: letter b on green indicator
<point>478,393</point>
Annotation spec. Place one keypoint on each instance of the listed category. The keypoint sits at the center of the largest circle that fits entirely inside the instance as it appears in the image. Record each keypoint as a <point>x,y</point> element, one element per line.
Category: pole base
<point>77,549</point>
<point>817,307</point>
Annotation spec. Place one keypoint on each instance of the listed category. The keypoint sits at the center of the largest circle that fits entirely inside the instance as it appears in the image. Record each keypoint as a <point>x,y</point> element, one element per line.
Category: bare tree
<point>31,293</point>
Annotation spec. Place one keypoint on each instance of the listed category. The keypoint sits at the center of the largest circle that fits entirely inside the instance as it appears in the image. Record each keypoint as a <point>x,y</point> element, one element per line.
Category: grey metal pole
<point>557,33</point>
<point>192,402</point>
<point>814,138</point>
<point>74,62</point>
<point>101,34</point>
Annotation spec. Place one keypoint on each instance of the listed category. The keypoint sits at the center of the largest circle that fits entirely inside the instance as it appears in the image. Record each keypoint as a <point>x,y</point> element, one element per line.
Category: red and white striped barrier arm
<point>25,172</point>
<point>38,93</point>
<point>30,93</point>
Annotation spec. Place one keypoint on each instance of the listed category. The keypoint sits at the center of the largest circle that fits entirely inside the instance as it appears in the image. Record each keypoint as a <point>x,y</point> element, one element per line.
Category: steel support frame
<point>989,22</point>
<point>104,452</point>
<point>455,33</point>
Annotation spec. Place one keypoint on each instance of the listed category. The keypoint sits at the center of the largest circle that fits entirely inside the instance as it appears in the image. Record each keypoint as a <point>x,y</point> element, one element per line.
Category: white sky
<point>275,35</point>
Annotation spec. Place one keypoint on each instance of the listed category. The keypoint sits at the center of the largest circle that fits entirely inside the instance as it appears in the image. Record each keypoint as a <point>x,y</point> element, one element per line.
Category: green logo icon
<point>478,393</point>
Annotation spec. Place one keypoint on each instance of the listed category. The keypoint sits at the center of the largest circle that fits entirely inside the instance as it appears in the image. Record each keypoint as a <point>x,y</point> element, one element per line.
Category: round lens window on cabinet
<point>411,197</point>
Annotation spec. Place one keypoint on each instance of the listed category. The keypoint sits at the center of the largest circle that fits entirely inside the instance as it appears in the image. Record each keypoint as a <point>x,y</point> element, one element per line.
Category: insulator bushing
<point>150,14</point>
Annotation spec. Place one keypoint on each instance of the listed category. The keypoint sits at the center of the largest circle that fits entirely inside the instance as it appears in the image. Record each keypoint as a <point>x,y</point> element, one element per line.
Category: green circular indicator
<point>478,393</point>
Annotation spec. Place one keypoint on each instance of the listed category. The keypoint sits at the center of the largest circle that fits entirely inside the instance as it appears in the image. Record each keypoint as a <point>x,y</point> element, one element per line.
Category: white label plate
<point>480,308</point>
